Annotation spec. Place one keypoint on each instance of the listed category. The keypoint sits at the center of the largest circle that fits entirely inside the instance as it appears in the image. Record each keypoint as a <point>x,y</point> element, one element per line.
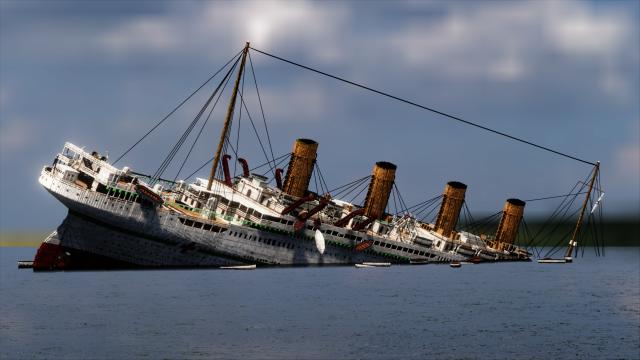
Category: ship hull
<point>105,231</point>
<point>101,231</point>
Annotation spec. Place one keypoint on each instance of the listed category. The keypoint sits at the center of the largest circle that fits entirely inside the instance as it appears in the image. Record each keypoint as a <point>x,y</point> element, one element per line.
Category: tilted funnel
<point>452,200</point>
<point>510,221</point>
<point>382,178</point>
<point>300,167</point>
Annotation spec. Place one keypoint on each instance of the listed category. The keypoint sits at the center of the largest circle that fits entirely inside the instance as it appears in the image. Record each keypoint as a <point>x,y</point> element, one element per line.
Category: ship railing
<point>203,212</point>
<point>117,192</point>
<point>166,184</point>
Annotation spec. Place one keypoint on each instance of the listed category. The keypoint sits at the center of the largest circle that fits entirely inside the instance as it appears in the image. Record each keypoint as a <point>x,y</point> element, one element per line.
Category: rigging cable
<point>264,119</point>
<point>177,107</point>
<point>185,135</point>
<point>228,78</point>
<point>425,108</point>
<point>255,130</point>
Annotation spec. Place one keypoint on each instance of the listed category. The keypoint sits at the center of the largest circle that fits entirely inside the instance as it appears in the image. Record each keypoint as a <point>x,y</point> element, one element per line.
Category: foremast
<point>228,118</point>
<point>576,232</point>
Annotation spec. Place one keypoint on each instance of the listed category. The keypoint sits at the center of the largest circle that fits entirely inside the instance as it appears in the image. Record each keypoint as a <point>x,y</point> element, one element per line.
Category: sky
<point>564,74</point>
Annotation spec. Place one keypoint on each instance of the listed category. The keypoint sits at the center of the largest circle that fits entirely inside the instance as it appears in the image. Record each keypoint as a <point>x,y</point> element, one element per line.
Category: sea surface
<point>586,310</point>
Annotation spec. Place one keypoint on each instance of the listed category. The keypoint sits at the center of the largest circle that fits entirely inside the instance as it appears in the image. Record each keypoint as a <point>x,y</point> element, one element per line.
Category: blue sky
<point>564,74</point>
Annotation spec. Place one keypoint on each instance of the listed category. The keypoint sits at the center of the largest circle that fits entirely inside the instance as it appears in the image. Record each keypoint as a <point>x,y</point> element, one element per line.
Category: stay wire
<point>555,213</point>
<point>186,134</point>
<point>345,190</point>
<point>255,130</point>
<point>348,184</point>
<point>264,119</point>
<point>211,160</point>
<point>425,108</point>
<point>324,183</point>
<point>280,161</point>
<point>413,207</point>
<point>228,78</point>
<point>167,160</point>
<point>358,194</point>
<point>176,108</point>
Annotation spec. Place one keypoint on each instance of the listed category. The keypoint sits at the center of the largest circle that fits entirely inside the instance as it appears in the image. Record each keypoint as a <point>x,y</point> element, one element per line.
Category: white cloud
<point>150,33</point>
<point>506,40</point>
<point>575,29</point>
<point>308,26</point>
<point>503,41</point>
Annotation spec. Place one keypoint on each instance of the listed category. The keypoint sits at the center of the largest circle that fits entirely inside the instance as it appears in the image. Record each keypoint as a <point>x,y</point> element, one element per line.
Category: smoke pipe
<point>382,178</point>
<point>510,221</point>
<point>300,167</point>
<point>245,167</point>
<point>225,169</point>
<point>279,178</point>
<point>452,201</point>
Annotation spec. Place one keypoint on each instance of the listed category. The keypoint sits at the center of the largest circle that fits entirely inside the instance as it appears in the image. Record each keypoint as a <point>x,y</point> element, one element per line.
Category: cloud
<point>509,40</point>
<point>575,29</point>
<point>148,33</point>
<point>559,72</point>
<point>211,25</point>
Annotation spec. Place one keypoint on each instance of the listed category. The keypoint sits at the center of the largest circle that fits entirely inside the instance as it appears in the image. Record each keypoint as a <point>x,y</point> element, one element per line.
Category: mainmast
<point>227,120</point>
<point>576,231</point>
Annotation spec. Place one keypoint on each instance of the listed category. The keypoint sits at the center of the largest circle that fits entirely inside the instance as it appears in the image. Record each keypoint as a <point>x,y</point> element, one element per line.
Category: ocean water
<point>586,310</point>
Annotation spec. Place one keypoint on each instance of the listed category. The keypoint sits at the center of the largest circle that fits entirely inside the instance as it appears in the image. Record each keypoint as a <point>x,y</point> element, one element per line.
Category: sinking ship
<point>119,218</point>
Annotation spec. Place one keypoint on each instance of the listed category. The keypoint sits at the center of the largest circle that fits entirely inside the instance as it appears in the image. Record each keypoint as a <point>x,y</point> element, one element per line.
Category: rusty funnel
<point>382,178</point>
<point>452,200</point>
<point>510,221</point>
<point>300,167</point>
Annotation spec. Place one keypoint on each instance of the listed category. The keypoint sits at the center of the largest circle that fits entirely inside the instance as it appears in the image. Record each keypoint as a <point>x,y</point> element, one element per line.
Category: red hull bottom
<point>50,257</point>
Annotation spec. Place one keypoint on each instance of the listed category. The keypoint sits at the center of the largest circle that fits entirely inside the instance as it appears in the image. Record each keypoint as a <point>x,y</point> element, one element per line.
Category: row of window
<point>266,241</point>
<point>200,225</point>
<point>210,227</point>
<point>402,248</point>
<point>278,220</point>
<point>346,236</point>
<point>285,245</point>
<point>233,205</point>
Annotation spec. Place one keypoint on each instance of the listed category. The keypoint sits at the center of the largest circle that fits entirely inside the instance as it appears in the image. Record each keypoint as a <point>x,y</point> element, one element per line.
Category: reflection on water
<point>588,309</point>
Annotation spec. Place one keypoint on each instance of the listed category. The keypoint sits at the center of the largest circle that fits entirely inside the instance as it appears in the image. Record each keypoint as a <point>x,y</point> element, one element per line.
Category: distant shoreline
<point>617,232</point>
<point>22,238</point>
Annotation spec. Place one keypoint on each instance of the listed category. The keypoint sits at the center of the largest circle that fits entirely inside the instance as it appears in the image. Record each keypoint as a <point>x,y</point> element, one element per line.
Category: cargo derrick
<point>509,224</point>
<point>452,201</point>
